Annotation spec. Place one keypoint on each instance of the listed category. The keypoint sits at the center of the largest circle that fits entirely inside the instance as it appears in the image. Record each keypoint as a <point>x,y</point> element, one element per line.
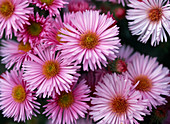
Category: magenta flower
<point>14,53</point>
<point>13,14</point>
<point>66,107</point>
<point>91,41</point>
<point>16,100</point>
<point>116,102</point>
<point>49,73</point>
<point>35,31</point>
<point>150,79</point>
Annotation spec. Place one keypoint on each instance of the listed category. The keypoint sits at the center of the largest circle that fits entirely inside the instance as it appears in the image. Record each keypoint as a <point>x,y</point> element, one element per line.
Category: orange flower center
<point>65,99</point>
<point>89,40</point>
<point>145,83</point>
<point>48,2</point>
<point>18,93</point>
<point>119,105</point>
<point>6,8</point>
<point>24,47</point>
<point>51,69</point>
<point>34,29</point>
<point>155,14</point>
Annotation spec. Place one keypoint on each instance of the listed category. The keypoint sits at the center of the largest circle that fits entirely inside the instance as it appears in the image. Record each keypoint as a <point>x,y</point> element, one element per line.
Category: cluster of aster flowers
<point>73,57</point>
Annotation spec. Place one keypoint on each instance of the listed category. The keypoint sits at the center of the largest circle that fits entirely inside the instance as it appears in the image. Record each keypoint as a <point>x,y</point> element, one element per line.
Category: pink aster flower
<point>49,73</point>
<point>35,30</point>
<point>15,99</point>
<point>14,53</point>
<point>66,107</point>
<point>51,5</point>
<point>91,40</point>
<point>126,55</point>
<point>13,14</point>
<point>150,18</point>
<point>150,79</point>
<point>116,102</point>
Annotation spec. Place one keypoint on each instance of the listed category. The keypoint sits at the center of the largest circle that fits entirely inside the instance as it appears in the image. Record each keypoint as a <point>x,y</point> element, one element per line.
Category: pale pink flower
<point>91,41</point>
<point>67,107</point>
<point>13,14</point>
<point>16,100</point>
<point>149,19</point>
<point>150,79</point>
<point>51,5</point>
<point>116,102</point>
<point>35,31</point>
<point>14,53</point>
<point>49,73</point>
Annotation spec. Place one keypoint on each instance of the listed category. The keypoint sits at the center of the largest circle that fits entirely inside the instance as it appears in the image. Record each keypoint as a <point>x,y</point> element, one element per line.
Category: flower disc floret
<point>6,8</point>
<point>65,99</point>
<point>24,47</point>
<point>119,105</point>
<point>51,68</point>
<point>89,40</point>
<point>18,93</point>
<point>144,84</point>
<point>155,14</point>
<point>34,29</point>
<point>48,2</point>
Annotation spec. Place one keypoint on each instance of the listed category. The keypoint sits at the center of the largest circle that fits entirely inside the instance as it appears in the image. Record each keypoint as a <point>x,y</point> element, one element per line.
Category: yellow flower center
<point>6,8</point>
<point>65,99</point>
<point>24,47</point>
<point>51,69</point>
<point>48,2</point>
<point>18,93</point>
<point>34,29</point>
<point>145,83</point>
<point>89,40</point>
<point>119,105</point>
<point>155,14</point>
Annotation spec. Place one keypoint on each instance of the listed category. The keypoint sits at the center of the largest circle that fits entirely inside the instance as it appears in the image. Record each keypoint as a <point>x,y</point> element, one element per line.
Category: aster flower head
<point>119,65</point>
<point>149,19</point>
<point>116,102</point>
<point>13,14</point>
<point>14,53</point>
<point>51,5</point>
<point>16,100</point>
<point>35,31</point>
<point>150,79</point>
<point>48,73</point>
<point>91,40</point>
<point>67,107</point>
